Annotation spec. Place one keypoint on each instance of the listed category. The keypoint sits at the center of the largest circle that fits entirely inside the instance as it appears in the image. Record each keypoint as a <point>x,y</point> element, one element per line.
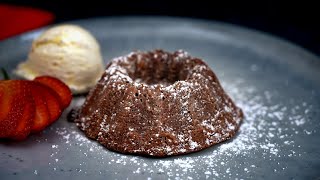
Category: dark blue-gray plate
<point>276,83</point>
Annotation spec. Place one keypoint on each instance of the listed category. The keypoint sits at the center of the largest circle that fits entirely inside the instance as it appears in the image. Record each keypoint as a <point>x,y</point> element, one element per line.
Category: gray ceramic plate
<point>276,84</point>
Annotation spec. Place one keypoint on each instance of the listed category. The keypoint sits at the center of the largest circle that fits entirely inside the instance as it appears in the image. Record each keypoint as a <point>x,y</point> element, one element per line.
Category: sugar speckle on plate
<point>268,131</point>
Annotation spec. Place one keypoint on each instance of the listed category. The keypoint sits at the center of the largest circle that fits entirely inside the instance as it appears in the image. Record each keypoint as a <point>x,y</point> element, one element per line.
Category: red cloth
<point>16,19</point>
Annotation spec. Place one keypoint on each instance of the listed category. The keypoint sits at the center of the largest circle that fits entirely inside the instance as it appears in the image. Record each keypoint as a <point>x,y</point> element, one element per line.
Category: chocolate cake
<point>159,104</point>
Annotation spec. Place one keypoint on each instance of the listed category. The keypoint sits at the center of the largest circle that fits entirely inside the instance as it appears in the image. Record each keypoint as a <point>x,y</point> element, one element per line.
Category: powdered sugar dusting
<point>168,97</point>
<point>269,132</point>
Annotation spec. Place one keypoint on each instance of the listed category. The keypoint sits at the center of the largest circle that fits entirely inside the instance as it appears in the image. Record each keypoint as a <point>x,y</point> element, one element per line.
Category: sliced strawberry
<point>42,115</point>
<point>26,122</point>
<point>30,106</point>
<point>58,86</point>
<point>51,100</point>
<point>6,105</point>
<point>17,109</point>
<point>4,101</point>
<point>53,104</point>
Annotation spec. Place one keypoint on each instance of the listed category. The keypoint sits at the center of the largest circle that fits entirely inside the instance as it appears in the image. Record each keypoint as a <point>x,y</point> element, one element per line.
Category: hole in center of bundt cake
<point>147,80</point>
<point>158,68</point>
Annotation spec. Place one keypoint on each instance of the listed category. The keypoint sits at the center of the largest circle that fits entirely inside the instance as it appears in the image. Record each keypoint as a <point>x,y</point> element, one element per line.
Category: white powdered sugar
<point>190,95</point>
<point>268,133</point>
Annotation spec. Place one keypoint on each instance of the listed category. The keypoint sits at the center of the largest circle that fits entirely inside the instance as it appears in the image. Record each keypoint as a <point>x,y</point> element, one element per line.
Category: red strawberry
<point>31,106</point>
<point>53,104</point>
<point>59,87</point>
<point>26,122</point>
<point>48,108</point>
<point>42,116</point>
<point>4,103</point>
<point>17,109</point>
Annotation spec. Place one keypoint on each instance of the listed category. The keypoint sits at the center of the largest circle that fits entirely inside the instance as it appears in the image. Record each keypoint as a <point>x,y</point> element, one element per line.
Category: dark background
<point>294,21</point>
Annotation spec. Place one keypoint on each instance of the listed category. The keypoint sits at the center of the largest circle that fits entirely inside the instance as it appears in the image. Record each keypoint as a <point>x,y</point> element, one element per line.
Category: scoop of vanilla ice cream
<point>67,52</point>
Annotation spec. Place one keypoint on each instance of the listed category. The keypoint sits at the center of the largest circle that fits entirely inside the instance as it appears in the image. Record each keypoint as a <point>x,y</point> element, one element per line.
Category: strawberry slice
<point>17,109</point>
<point>26,122</point>
<point>42,116</point>
<point>4,102</point>
<point>59,87</point>
<point>6,105</point>
<point>52,104</point>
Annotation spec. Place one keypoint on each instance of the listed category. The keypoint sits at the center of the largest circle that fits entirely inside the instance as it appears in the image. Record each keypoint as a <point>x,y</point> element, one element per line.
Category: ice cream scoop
<point>67,52</point>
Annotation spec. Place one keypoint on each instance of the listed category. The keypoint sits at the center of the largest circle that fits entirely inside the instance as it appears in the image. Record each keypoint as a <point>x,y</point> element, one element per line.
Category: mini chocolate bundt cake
<point>159,104</point>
